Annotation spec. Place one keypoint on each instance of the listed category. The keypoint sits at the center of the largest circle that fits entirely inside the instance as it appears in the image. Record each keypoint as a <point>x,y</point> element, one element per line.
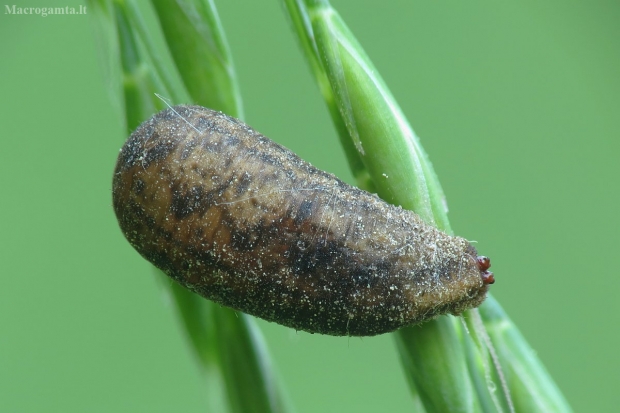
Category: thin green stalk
<point>137,77</point>
<point>389,150</point>
<point>302,25</point>
<point>196,40</point>
<point>448,368</point>
<point>228,344</point>
<point>532,388</point>
<point>175,92</point>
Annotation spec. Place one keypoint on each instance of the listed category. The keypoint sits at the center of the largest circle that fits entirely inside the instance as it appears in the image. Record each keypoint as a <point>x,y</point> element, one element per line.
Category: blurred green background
<point>518,106</point>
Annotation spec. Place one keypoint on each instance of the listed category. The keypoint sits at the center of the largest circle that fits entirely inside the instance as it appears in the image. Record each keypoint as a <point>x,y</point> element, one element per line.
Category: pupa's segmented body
<point>246,223</point>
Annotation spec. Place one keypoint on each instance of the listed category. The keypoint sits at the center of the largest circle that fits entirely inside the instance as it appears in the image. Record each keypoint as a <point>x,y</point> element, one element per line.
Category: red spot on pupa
<point>487,277</point>
<point>484,263</point>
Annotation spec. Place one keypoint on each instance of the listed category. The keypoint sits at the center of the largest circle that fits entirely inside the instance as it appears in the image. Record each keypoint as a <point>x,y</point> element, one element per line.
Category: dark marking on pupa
<point>246,223</point>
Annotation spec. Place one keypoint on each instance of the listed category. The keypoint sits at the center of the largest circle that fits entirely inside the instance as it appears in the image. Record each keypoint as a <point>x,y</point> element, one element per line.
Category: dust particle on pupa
<point>246,223</point>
